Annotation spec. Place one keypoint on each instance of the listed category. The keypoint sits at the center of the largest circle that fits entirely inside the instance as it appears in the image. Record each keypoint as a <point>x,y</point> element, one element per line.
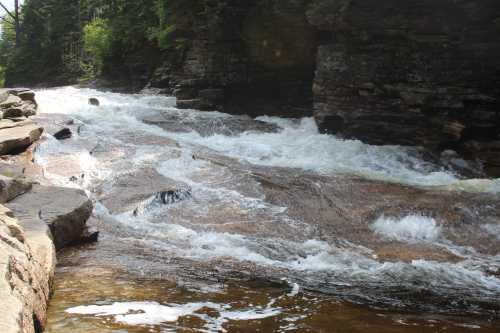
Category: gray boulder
<point>64,210</point>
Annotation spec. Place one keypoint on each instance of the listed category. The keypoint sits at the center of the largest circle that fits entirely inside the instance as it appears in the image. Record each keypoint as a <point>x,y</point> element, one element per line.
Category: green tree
<point>97,41</point>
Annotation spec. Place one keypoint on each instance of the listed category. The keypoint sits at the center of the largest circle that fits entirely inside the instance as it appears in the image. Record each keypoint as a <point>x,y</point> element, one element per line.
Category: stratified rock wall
<point>246,57</point>
<point>415,72</point>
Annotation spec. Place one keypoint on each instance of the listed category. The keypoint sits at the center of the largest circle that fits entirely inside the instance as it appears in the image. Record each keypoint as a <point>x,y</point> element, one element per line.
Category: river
<point>212,223</point>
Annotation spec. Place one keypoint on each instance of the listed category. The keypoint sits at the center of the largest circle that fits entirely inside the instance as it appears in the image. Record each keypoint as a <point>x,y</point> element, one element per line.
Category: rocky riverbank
<point>35,220</point>
<point>421,73</point>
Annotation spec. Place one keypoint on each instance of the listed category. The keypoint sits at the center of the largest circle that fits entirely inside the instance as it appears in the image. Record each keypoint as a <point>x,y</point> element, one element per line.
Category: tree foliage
<point>97,41</point>
<point>61,39</point>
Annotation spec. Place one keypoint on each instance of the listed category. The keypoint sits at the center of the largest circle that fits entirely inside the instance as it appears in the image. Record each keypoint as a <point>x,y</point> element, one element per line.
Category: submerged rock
<point>64,210</point>
<point>134,191</point>
<point>209,124</point>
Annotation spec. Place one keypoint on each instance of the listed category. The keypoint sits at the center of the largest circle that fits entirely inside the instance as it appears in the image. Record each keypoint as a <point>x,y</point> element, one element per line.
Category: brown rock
<point>27,263</point>
<point>17,136</point>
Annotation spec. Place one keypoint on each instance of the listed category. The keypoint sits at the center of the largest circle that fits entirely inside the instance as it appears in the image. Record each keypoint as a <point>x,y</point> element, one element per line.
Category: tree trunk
<point>16,22</point>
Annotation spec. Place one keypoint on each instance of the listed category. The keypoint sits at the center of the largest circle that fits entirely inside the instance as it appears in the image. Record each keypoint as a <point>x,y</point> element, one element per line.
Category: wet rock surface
<point>379,79</point>
<point>207,125</point>
<point>64,210</point>
<point>133,192</point>
<point>423,73</point>
<point>243,218</point>
<point>60,126</point>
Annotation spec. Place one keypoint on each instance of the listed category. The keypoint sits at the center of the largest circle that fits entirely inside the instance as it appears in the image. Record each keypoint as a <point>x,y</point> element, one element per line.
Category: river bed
<point>216,223</point>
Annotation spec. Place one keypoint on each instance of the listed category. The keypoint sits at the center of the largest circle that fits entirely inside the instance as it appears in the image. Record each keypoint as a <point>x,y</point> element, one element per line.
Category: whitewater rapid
<point>116,125</point>
<point>298,145</point>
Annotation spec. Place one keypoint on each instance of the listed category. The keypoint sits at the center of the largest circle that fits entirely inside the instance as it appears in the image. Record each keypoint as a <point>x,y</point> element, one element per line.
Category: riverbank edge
<point>35,220</point>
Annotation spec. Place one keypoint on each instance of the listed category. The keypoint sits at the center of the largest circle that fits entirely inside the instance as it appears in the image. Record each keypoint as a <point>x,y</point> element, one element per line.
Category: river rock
<point>134,191</point>
<point>94,101</point>
<point>27,264</point>
<point>346,207</point>
<point>64,210</point>
<point>58,125</point>
<point>11,100</point>
<point>27,95</point>
<point>13,112</point>
<point>10,188</point>
<point>15,136</point>
<point>208,124</point>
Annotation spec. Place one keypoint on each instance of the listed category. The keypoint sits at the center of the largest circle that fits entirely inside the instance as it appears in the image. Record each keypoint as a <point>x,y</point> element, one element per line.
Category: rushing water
<point>219,255</point>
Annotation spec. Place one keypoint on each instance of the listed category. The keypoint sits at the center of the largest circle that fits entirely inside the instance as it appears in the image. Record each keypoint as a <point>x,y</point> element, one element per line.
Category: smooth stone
<point>94,102</point>
<point>10,101</point>
<point>130,191</point>
<point>64,210</point>
<point>10,188</point>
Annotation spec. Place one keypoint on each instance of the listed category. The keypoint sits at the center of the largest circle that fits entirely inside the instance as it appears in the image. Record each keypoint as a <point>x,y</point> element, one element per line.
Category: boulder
<point>15,136</point>
<point>10,188</point>
<point>13,112</point>
<point>11,100</point>
<point>94,101</point>
<point>63,134</point>
<point>27,96</point>
<point>27,263</point>
<point>58,125</point>
<point>133,191</point>
<point>64,210</point>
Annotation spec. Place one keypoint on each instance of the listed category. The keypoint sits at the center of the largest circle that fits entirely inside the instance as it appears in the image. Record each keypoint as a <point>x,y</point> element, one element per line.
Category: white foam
<point>295,290</point>
<point>298,145</point>
<point>409,228</point>
<point>153,313</point>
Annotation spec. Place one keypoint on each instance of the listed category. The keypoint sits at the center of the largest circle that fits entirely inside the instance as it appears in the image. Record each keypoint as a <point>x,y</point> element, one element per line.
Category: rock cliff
<point>419,73</point>
<point>422,72</point>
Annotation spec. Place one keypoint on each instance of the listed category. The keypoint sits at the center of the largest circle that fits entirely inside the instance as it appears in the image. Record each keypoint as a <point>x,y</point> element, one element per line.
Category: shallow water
<point>207,260</point>
<point>91,298</point>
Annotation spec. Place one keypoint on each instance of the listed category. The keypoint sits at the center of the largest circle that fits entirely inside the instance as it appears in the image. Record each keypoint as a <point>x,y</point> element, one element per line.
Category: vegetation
<point>2,76</point>
<point>97,41</point>
<point>61,41</point>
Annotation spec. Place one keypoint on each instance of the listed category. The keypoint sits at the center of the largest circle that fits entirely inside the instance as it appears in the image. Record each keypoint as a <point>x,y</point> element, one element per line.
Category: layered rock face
<point>27,263</point>
<point>422,72</point>
<point>419,73</point>
<point>245,57</point>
